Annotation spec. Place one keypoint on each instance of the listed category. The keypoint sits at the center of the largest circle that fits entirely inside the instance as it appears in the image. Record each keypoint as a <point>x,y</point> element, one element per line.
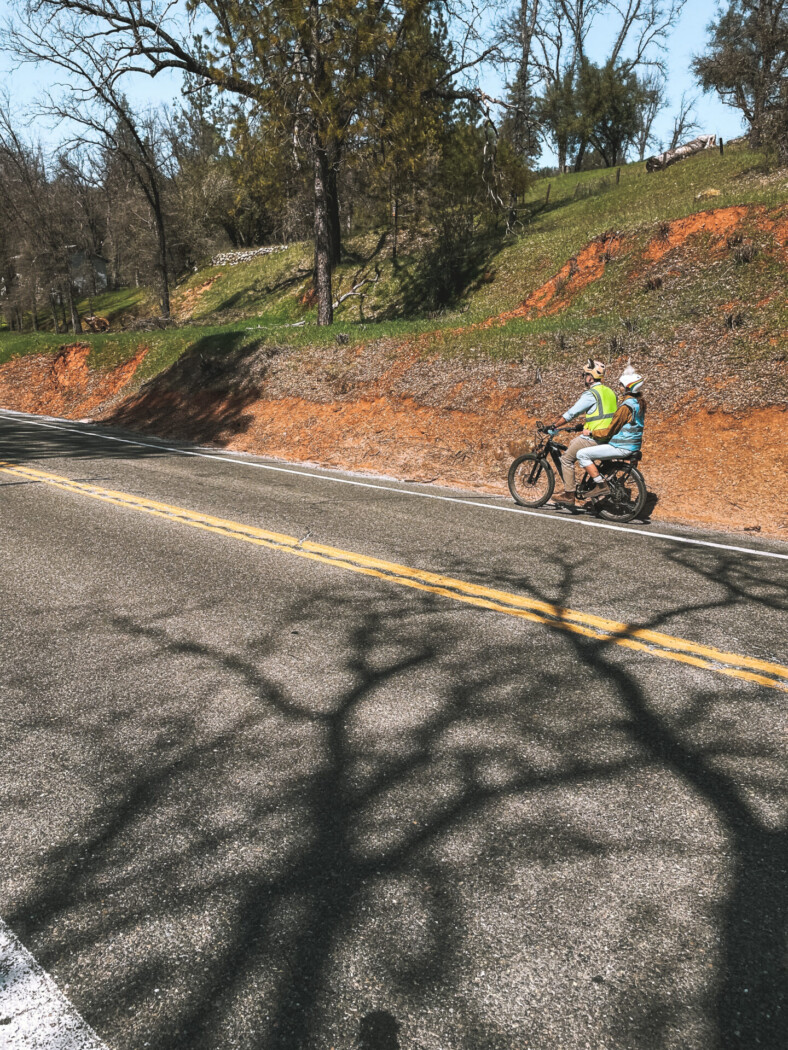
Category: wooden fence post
<point>618,176</point>
<point>721,149</point>
<point>547,195</point>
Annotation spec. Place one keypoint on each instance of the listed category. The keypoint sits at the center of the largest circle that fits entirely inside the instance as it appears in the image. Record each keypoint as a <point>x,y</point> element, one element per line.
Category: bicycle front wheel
<point>531,481</point>
<point>627,495</point>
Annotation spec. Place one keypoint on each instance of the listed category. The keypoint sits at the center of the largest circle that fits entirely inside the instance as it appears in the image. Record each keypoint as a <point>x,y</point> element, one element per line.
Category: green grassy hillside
<point>635,302</point>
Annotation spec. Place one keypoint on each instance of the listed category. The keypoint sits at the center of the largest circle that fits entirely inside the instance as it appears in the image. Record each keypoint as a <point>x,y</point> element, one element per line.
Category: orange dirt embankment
<point>65,385</point>
<point>557,292</point>
<point>581,270</point>
<point>707,468</point>
<point>719,225</point>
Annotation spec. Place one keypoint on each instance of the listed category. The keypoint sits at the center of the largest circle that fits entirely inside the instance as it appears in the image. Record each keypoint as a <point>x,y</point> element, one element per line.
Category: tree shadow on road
<point>738,771</point>
<point>365,805</point>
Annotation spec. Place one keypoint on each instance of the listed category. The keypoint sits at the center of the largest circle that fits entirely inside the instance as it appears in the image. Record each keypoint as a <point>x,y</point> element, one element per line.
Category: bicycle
<point>532,479</point>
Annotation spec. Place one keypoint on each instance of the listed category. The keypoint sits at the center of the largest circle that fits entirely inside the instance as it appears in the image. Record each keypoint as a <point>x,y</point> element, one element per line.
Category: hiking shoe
<point>566,499</point>
<point>598,490</point>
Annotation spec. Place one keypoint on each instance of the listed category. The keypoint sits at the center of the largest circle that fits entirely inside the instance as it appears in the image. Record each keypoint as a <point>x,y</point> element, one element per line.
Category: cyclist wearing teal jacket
<point>623,436</point>
<point>598,403</point>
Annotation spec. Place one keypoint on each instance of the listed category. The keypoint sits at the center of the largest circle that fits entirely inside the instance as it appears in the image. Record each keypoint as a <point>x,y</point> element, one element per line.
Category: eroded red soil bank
<point>64,385</point>
<point>422,421</point>
<point>710,468</point>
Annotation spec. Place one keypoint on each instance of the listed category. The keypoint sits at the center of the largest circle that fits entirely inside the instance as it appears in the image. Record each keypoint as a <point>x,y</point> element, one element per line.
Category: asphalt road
<point>293,792</point>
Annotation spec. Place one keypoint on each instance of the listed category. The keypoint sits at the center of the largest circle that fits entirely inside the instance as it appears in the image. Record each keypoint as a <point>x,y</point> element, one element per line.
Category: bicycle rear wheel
<point>627,497</point>
<point>531,480</point>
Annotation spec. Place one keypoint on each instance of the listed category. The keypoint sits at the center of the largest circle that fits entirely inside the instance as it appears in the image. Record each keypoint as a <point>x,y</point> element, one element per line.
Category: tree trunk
<point>34,313</point>
<point>580,154</point>
<point>394,223</point>
<point>332,203</point>
<point>161,264</point>
<point>755,135</point>
<point>325,309</point>
<point>76,324</point>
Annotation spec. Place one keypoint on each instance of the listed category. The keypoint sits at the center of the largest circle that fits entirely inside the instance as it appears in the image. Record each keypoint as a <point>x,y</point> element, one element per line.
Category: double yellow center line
<point>665,646</point>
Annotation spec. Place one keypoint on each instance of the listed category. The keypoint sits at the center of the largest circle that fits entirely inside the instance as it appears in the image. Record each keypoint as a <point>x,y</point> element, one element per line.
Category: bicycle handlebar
<point>543,429</point>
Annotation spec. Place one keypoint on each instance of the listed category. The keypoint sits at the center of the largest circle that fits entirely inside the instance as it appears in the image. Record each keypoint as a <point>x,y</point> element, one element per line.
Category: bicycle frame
<point>552,449</point>
<point>549,448</point>
<point>624,497</point>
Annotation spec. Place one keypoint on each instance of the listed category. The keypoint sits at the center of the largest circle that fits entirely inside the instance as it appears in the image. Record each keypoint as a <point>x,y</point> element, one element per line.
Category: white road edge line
<point>33,1010</point>
<point>25,418</point>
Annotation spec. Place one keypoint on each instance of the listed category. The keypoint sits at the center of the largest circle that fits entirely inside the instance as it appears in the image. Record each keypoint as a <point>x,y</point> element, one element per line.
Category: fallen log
<point>664,160</point>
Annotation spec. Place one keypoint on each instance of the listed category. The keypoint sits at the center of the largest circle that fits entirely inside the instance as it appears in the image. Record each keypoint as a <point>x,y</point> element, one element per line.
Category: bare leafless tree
<point>654,101</point>
<point>685,120</point>
<point>556,32</point>
<point>93,101</point>
<point>39,211</point>
<point>643,27</point>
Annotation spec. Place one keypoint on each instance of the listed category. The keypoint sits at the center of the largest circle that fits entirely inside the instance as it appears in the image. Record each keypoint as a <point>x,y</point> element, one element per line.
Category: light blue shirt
<point>584,403</point>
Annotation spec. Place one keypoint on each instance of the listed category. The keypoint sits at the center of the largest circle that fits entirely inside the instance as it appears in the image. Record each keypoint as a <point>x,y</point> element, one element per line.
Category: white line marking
<point>22,417</point>
<point>34,1013</point>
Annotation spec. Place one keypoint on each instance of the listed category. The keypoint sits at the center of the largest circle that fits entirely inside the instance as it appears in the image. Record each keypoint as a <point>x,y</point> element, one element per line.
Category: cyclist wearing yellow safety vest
<point>599,403</point>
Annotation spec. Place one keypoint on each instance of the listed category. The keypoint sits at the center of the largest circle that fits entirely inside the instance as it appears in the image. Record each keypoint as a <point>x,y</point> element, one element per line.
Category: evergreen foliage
<point>747,65</point>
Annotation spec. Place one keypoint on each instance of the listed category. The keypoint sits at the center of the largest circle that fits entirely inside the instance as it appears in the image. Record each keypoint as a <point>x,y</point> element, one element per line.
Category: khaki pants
<point>568,460</point>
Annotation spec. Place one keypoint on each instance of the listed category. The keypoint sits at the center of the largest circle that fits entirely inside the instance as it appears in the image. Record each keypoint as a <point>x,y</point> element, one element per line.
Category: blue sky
<point>688,39</point>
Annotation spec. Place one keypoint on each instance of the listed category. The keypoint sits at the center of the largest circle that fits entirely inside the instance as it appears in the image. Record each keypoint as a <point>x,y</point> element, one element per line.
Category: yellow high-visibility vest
<point>605,408</point>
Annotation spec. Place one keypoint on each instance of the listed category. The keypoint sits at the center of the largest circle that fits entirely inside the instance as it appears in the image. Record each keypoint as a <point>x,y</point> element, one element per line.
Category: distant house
<point>89,272</point>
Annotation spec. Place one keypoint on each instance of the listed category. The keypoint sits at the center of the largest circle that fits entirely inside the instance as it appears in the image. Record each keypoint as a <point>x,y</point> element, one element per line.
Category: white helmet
<point>631,380</point>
